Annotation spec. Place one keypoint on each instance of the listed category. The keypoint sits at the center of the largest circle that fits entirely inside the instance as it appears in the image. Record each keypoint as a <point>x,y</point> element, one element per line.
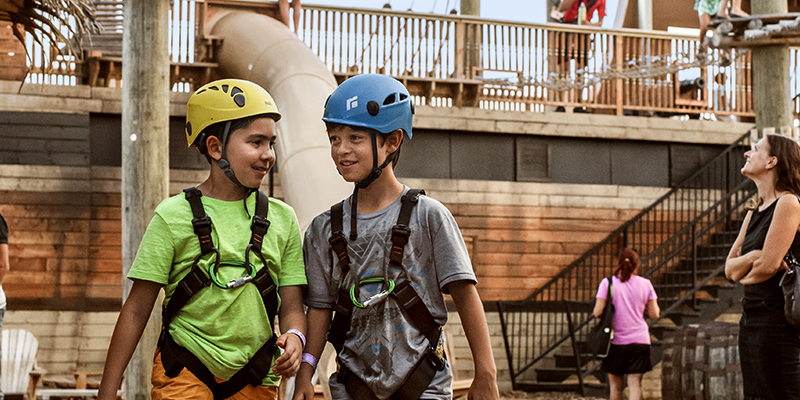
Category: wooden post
<point>145,155</point>
<point>772,100</point>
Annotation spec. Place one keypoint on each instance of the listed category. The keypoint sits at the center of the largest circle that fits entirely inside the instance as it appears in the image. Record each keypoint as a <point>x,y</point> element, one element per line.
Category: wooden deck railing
<point>441,49</point>
<point>450,60</point>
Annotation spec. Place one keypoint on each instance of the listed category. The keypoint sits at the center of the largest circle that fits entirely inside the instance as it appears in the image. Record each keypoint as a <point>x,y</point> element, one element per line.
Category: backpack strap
<point>173,356</point>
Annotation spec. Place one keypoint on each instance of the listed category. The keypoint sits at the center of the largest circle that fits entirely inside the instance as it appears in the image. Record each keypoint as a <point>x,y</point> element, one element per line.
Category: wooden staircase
<point>683,240</point>
<point>713,298</point>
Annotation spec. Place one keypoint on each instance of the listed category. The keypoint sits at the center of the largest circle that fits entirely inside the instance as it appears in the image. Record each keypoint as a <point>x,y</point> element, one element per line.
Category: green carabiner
<point>375,298</point>
<point>234,283</point>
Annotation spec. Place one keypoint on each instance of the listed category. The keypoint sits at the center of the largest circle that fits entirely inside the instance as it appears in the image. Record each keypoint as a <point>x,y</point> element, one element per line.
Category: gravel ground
<point>514,394</point>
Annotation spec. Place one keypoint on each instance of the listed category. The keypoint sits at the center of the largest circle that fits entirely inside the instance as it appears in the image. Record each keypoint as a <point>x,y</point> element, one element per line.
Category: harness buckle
<point>260,223</point>
<point>435,358</point>
<point>400,234</point>
<point>234,283</point>
<point>202,225</point>
<point>339,245</point>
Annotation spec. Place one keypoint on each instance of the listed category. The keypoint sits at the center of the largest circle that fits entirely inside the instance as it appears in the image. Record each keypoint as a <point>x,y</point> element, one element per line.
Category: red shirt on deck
<point>571,15</point>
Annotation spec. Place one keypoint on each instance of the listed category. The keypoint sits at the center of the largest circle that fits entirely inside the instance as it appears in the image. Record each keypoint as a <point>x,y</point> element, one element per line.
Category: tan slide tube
<point>261,49</point>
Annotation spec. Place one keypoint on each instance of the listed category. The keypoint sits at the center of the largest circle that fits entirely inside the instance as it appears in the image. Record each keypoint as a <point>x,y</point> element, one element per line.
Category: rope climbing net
<point>642,68</point>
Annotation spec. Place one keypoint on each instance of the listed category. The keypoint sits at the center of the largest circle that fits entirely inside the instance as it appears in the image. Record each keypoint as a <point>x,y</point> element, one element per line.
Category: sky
<point>532,11</point>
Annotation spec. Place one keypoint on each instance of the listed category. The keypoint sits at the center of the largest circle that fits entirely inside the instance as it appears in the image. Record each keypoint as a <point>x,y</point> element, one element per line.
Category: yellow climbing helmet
<point>226,100</point>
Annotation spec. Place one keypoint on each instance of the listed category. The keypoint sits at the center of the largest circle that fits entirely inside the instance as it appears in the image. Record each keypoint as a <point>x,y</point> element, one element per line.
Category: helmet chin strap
<point>374,175</point>
<point>223,160</point>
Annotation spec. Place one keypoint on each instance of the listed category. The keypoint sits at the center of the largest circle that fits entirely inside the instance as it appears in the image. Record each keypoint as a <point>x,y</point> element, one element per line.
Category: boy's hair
<point>332,126</point>
<point>218,129</point>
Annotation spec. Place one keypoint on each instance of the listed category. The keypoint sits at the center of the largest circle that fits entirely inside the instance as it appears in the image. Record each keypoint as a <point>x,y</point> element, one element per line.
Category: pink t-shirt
<point>629,299</point>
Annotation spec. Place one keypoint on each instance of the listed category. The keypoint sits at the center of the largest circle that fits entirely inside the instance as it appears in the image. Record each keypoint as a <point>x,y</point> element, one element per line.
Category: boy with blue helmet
<point>229,260</point>
<point>376,288</point>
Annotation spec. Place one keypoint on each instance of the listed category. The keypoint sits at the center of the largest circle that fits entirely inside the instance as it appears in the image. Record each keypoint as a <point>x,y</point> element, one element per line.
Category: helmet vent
<point>403,96</point>
<point>213,88</point>
<point>390,99</point>
<point>373,108</point>
<point>238,96</point>
<point>225,88</point>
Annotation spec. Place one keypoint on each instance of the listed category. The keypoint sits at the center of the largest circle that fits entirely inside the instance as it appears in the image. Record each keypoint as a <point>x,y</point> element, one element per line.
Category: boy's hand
<point>289,362</point>
<point>303,389</point>
<point>483,389</point>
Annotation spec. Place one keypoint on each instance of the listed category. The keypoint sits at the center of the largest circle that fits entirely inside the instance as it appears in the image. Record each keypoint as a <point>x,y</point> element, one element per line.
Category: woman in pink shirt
<point>631,295</point>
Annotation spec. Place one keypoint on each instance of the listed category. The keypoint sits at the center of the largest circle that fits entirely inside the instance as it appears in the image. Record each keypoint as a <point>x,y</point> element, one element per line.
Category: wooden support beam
<point>145,156</point>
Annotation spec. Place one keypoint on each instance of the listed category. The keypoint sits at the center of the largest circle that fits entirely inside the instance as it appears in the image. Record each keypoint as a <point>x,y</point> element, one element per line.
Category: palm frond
<point>43,19</point>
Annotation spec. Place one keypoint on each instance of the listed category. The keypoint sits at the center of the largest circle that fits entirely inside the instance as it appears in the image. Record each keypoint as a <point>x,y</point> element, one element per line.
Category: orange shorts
<point>187,386</point>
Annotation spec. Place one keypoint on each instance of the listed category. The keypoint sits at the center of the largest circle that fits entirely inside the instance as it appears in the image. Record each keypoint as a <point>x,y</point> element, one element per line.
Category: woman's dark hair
<point>628,262</point>
<point>218,129</point>
<point>787,151</point>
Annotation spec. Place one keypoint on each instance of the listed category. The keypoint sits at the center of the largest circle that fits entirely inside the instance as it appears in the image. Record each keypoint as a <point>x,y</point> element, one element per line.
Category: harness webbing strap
<point>400,231</point>
<point>415,384</point>
<point>269,294</point>
<point>423,373</point>
<point>341,320</point>
<point>337,240</point>
<point>175,357</point>
<point>200,221</point>
<point>260,224</point>
<point>192,283</point>
<point>408,298</point>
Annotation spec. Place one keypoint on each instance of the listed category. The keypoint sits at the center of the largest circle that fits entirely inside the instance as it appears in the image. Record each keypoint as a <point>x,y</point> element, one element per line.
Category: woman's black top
<point>769,290</point>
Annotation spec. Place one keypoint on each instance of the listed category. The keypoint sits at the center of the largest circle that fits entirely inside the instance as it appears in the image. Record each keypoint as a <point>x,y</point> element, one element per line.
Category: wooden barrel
<point>702,362</point>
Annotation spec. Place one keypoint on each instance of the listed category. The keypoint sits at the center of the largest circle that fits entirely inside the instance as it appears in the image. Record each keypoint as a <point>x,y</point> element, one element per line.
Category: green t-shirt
<point>222,327</point>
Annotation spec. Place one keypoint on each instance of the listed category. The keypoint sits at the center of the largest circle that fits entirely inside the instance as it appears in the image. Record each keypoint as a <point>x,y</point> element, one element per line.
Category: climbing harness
<point>173,356</point>
<point>423,372</point>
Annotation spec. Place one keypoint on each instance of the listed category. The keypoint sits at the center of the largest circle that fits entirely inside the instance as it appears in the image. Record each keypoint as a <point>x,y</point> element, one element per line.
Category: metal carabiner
<point>375,298</point>
<point>234,283</point>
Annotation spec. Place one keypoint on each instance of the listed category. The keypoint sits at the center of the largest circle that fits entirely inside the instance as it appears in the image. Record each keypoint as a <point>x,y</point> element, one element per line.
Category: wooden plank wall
<point>65,235</point>
<point>36,138</point>
<point>12,54</point>
<point>520,235</point>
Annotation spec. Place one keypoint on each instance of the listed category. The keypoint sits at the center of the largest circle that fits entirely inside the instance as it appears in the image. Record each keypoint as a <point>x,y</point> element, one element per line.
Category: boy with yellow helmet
<point>229,259</point>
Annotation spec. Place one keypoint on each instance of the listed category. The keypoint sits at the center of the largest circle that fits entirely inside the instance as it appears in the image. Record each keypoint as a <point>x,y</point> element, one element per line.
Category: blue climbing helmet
<point>372,101</point>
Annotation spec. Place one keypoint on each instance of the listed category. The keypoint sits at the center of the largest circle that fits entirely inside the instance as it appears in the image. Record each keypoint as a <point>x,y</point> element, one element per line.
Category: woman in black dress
<point>769,348</point>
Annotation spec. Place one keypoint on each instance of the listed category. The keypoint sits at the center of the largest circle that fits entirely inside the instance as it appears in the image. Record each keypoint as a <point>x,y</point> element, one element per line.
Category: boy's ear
<point>394,140</point>
<point>214,147</point>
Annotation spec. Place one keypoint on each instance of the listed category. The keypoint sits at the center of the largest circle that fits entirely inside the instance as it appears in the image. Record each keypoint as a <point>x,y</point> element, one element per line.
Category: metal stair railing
<point>663,234</point>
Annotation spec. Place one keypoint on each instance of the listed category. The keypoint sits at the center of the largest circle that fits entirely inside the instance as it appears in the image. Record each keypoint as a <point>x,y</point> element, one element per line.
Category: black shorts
<point>628,359</point>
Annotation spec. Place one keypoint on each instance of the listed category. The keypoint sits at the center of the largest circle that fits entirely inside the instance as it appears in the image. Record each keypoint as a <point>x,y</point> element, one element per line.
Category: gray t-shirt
<point>382,346</point>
